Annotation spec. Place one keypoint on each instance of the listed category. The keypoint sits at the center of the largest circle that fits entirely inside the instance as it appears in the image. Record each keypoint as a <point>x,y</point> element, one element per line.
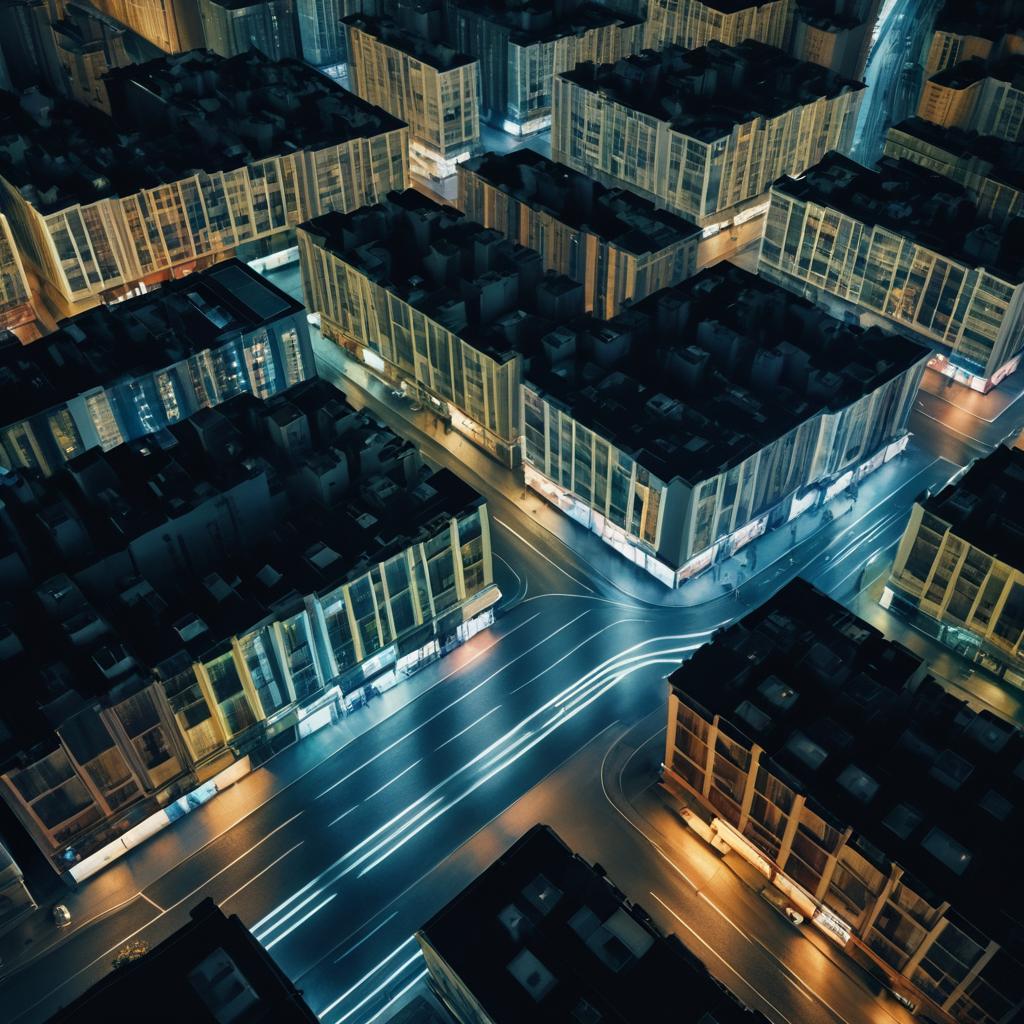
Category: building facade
<point>977,96</point>
<point>172,26</point>
<point>231,27</point>
<point>435,90</point>
<point>824,756</point>
<point>690,24</point>
<point>522,48</point>
<point>279,142</point>
<point>904,244</point>
<point>698,132</point>
<point>621,247</point>
<point>15,295</point>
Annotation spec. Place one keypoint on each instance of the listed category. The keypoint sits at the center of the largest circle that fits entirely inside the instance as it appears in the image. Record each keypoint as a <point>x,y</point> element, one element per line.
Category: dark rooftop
<point>987,19</point>
<point>541,936</point>
<point>876,745</point>
<point>704,93</point>
<point>912,201</point>
<point>530,22</point>
<point>613,214</point>
<point>392,34</point>
<point>211,970</point>
<point>967,72</point>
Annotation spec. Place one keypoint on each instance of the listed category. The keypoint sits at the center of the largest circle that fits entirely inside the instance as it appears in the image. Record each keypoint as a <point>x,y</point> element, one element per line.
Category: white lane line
<point>952,430</point>
<point>276,860</point>
<point>462,732</point>
<point>579,583</point>
<point>301,921</point>
<point>368,935</point>
<point>344,814</point>
<point>155,906</point>
<point>391,1002</point>
<point>369,974</point>
<point>392,780</point>
<point>396,973</point>
<point>519,580</point>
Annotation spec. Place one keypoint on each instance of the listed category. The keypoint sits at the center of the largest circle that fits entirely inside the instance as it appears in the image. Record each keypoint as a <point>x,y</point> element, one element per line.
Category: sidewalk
<point>987,408</point>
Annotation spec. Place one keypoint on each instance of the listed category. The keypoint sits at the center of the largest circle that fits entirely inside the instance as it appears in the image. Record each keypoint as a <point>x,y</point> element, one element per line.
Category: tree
<point>136,949</point>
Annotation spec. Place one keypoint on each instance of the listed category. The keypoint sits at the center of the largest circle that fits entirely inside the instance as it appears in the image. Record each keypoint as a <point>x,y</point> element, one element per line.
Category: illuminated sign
<point>832,925</point>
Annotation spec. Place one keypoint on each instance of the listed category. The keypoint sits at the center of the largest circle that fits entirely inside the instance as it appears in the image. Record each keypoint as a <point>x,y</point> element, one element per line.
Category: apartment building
<point>964,29</point>
<point>959,570</point>
<point>991,170</point>
<point>222,589</point>
<point>15,295</point>
<point>116,373</point>
<point>428,299</point>
<point>231,27</point>
<point>542,935</point>
<point>709,413</point>
<point>903,244</point>
<point>975,95</point>
<point>204,157</point>
<point>704,132</point>
<point>690,24</point>
<point>836,34</point>
<point>878,803</point>
<point>621,247</point>
<point>522,46</point>
<point>430,86</point>
<point>172,26</point>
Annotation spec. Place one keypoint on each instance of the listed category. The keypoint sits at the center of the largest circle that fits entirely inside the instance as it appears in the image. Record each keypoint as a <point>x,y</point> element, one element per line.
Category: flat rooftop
<point>541,936</point>
<point>986,19</point>
<point>531,22</point>
<point>705,93</point>
<point>912,201</point>
<point>698,377</point>
<point>107,344</point>
<point>613,214</point>
<point>174,116</point>
<point>390,33</point>
<point>967,72</point>
<point>844,716</point>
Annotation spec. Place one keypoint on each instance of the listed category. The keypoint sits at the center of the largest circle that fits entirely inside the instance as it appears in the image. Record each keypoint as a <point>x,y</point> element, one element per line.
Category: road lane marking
<point>462,732</point>
<point>394,999</point>
<point>370,933</point>
<point>578,583</point>
<point>154,905</point>
<point>344,814</point>
<point>392,780</point>
<point>275,861</point>
<point>301,921</point>
<point>369,974</point>
<point>396,973</point>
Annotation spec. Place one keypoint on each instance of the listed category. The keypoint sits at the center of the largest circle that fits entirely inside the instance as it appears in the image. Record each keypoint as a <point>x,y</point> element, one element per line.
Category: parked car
<point>701,828</point>
<point>61,916</point>
<point>780,904</point>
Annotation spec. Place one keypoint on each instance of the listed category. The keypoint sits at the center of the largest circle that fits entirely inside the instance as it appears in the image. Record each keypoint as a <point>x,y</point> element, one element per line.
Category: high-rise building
<point>877,803</point>
<point>426,298</point>
<point>27,43</point>
<point>231,27</point>
<point>541,935</point>
<point>620,246</point>
<point>222,588</point>
<point>959,570</point>
<point>903,244</point>
<point>964,29</point>
<point>204,157</point>
<point>172,26</point>
<point>431,87</point>
<point>836,34</point>
<point>522,46</point>
<point>991,170</point>
<point>116,373</point>
<point>321,31</point>
<point>708,414</point>
<point>704,132</point>
<point>693,23</point>
<point>15,295</point>
<point>987,98</point>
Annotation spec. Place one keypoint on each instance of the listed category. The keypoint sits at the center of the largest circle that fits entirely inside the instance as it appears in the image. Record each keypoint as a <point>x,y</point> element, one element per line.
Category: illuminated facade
<point>906,244</point>
<point>231,27</point>
<point>618,245</point>
<point>521,48</point>
<point>879,804</point>
<point>723,146</point>
<point>89,43</point>
<point>15,296</point>
<point>693,23</point>
<point>979,97</point>
<point>435,90</point>
<point>304,557</point>
<point>959,570</point>
<point>144,208</point>
<point>171,25</point>
<point>965,29</point>
<point>645,430</point>
<point>116,373</point>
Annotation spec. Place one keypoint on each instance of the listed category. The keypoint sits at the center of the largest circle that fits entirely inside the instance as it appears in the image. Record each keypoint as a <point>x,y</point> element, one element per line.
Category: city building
<point>964,29</point>
<point>27,44</point>
<point>321,31</point>
<point>15,295</point>
<point>987,98</point>
<point>836,34</point>
<point>703,132</point>
<point>16,901</point>
<point>428,299</point>
<point>204,157</point>
<point>541,935</point>
<point>523,46</point>
<point>231,27</point>
<point>116,373</point>
<point>212,970</point>
<point>906,246</point>
<point>690,24</point>
<point>991,170</point>
<point>172,26</point>
<point>184,605</point>
<point>959,570</point>
<point>708,414</point>
<point>878,803</point>
<point>621,247</point>
<point>430,86</point>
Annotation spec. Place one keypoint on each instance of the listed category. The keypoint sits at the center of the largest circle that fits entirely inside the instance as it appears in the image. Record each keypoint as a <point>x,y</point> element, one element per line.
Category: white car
<point>778,902</point>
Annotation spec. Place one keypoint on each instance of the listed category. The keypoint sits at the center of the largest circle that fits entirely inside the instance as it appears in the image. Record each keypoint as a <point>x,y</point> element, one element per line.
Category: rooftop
<point>987,19</point>
<point>542,936</point>
<point>967,72</point>
<point>108,344</point>
<point>392,34</point>
<point>698,377</point>
<point>852,720</point>
<point>210,971</point>
<point>613,214</point>
<point>531,22</point>
<point>705,93</point>
<point>174,116</point>
<point>915,202</point>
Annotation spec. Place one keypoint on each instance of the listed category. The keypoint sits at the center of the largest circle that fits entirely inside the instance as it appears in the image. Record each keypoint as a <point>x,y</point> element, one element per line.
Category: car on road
<point>778,902</point>
<point>696,824</point>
